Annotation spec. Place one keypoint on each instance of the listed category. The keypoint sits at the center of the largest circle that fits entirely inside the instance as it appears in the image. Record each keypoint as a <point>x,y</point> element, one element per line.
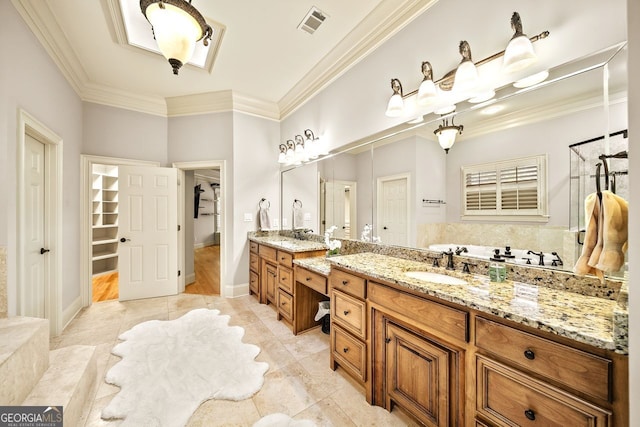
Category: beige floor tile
<point>286,390</point>
<point>306,344</point>
<point>275,354</point>
<point>325,414</point>
<point>225,413</point>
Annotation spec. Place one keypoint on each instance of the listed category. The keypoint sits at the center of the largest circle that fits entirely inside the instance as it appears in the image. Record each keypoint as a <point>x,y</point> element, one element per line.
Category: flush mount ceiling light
<point>447,133</point>
<point>464,82</point>
<point>176,26</point>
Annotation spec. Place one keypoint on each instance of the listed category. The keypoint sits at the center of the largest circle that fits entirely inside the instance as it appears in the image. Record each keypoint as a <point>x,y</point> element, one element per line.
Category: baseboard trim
<point>237,291</point>
<point>71,312</point>
<point>189,279</point>
<point>204,244</point>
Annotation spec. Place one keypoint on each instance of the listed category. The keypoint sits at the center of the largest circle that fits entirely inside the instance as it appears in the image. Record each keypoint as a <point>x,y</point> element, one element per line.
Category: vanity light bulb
<point>427,92</point>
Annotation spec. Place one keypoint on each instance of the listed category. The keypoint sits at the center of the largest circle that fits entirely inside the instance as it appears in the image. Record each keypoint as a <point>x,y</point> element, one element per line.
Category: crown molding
<point>200,103</point>
<point>256,107</point>
<point>378,26</point>
<point>113,97</point>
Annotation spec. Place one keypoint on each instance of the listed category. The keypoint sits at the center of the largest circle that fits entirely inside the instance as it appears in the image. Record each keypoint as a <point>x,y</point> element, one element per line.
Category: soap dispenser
<point>497,269</point>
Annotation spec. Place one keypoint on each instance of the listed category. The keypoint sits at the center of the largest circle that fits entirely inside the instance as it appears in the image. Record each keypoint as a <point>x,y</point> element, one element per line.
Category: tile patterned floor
<point>299,381</point>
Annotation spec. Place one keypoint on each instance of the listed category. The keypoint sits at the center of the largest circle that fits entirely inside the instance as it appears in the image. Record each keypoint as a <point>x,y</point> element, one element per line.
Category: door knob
<point>384,228</point>
<point>44,251</point>
<point>124,240</point>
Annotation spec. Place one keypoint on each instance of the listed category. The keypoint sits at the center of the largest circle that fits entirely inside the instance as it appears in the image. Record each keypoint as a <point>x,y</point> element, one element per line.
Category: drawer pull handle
<point>344,282</point>
<point>345,350</point>
<point>529,354</point>
<point>346,312</point>
<point>530,414</point>
<point>308,278</point>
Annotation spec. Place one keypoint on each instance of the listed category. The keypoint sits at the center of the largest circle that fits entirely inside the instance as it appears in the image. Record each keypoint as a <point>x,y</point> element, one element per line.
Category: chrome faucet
<point>449,255</point>
<point>540,255</point>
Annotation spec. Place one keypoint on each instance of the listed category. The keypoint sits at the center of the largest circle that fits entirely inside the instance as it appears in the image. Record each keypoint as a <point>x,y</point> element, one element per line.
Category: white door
<point>393,213</point>
<point>33,295</point>
<point>148,232</point>
<point>337,208</point>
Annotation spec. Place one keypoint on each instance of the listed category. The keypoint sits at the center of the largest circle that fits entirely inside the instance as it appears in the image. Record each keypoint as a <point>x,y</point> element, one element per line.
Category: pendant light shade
<point>446,134</point>
<point>177,26</point>
<point>519,53</point>
<point>396,104</point>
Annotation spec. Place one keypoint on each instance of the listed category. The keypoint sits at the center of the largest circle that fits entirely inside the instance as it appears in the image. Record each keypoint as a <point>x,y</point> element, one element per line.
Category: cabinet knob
<point>308,278</point>
<point>529,354</point>
<point>346,312</point>
<point>530,414</point>
<point>345,350</point>
<point>44,251</point>
<point>344,282</point>
<point>387,340</point>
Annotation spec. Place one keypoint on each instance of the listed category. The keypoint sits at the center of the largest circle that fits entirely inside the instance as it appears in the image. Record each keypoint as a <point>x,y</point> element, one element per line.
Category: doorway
<point>202,231</point>
<point>39,222</point>
<point>213,256</point>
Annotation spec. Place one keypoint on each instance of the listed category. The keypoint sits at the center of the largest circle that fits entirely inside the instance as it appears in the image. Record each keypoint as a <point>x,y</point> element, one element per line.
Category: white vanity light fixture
<point>519,53</point>
<point>312,143</point>
<point>300,153</point>
<point>464,81</point>
<point>447,133</point>
<point>282,157</point>
<point>176,26</point>
<point>395,106</point>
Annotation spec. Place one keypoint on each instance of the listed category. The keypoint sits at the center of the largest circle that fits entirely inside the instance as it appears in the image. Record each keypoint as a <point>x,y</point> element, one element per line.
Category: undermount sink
<point>441,279</point>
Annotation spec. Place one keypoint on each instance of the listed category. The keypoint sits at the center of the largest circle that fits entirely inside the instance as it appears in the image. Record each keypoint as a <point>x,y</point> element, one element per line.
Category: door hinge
<point>178,227</point>
<point>179,273</point>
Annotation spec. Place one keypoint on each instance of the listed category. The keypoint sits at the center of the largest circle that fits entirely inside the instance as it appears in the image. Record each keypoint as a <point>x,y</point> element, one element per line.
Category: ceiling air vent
<point>312,20</point>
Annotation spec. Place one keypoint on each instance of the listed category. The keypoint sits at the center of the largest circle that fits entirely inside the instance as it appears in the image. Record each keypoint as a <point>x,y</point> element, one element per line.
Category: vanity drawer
<point>439,317</point>
<point>285,258</point>
<point>267,252</point>
<point>285,305</point>
<point>315,281</point>
<point>253,247</point>
<point>285,279</point>
<point>254,262</point>
<point>507,397</point>
<point>345,282</point>
<point>349,352</point>
<point>574,368</point>
<point>350,313</point>
<point>254,282</point>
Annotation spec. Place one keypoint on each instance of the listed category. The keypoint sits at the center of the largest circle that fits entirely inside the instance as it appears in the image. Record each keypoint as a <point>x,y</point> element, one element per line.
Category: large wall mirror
<point>411,192</point>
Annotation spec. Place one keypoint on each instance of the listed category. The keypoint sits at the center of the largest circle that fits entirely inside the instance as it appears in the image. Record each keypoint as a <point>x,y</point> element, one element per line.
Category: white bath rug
<point>282,420</point>
<point>169,368</point>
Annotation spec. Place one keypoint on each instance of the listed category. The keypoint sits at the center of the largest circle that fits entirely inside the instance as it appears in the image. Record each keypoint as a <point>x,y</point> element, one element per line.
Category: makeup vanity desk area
<point>290,273</point>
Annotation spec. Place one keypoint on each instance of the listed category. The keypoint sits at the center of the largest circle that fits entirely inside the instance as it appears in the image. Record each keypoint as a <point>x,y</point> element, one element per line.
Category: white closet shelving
<point>105,219</point>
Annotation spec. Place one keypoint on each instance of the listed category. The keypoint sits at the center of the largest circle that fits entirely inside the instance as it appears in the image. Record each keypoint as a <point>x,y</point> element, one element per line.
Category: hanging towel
<point>592,215</point>
<point>298,218</point>
<point>264,219</point>
<point>615,214</point>
<point>606,235</point>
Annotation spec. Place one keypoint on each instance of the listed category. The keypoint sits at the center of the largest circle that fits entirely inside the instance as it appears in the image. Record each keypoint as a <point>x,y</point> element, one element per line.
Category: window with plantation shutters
<point>511,190</point>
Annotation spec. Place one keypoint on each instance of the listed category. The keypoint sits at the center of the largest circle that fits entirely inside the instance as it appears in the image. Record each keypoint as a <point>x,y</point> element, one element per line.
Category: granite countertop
<point>585,319</point>
<point>320,265</point>
<point>289,244</point>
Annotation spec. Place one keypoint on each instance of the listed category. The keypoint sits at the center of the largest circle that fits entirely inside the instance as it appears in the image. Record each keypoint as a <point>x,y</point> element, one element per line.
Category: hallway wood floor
<point>207,269</point>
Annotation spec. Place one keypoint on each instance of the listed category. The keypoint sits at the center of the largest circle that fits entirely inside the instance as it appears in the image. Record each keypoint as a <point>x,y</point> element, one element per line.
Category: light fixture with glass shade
<point>176,26</point>
<point>519,53</point>
<point>447,133</point>
<point>427,91</point>
<point>466,79</point>
<point>282,157</point>
<point>312,143</point>
<point>395,106</point>
<point>462,83</point>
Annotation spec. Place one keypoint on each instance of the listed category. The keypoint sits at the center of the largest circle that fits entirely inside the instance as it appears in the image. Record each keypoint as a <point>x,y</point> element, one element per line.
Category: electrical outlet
<point>275,223</point>
<point>248,217</point>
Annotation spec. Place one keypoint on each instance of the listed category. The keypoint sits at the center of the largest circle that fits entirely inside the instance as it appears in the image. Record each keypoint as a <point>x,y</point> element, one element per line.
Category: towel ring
<point>297,203</point>
<point>598,189</point>
<point>262,201</point>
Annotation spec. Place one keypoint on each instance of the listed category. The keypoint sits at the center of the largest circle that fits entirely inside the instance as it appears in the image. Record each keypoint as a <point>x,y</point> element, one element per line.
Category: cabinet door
<point>419,376</point>
<point>270,280</point>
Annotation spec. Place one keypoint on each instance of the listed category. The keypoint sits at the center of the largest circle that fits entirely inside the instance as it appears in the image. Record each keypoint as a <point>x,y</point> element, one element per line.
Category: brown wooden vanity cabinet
<point>310,290</point>
<point>348,324</point>
<point>418,355</point>
<point>254,270</point>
